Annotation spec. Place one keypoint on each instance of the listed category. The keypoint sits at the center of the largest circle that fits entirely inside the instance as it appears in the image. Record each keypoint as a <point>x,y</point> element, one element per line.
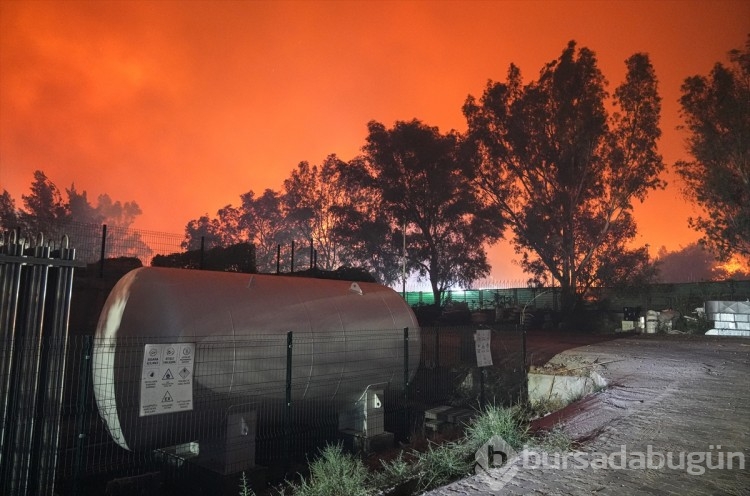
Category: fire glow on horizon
<point>183,106</point>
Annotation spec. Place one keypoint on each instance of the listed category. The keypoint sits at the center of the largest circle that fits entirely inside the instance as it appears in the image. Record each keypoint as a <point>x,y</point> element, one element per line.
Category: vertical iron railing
<point>54,350</point>
<point>10,283</point>
<point>34,316</point>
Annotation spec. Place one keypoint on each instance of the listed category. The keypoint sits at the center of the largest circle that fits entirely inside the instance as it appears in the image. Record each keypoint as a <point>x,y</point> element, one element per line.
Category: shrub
<point>334,473</point>
<point>508,423</point>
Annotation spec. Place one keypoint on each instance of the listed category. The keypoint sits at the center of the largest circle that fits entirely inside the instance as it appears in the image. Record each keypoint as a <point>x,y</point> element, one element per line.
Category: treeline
<point>47,211</point>
<point>553,164</point>
<point>543,162</point>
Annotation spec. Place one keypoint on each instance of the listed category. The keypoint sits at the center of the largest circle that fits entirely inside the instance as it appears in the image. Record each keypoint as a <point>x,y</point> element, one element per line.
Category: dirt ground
<point>680,400</point>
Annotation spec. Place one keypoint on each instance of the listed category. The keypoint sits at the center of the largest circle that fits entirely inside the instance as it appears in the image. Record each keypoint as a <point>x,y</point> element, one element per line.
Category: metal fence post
<point>292,260</point>
<point>288,405</point>
<point>482,400</point>
<point>524,388</point>
<point>406,361</point>
<point>437,347</point>
<point>103,251</point>
<point>407,409</point>
<point>84,376</point>
<point>203,249</point>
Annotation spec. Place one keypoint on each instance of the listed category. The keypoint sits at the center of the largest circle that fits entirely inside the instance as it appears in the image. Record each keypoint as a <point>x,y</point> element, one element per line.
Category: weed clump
<point>334,473</point>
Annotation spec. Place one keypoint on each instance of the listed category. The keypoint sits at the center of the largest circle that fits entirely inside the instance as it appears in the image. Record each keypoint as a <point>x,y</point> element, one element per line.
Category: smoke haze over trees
<point>45,210</point>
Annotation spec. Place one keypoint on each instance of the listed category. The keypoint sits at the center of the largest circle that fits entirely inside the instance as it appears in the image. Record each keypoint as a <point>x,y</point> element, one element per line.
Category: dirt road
<point>676,413</point>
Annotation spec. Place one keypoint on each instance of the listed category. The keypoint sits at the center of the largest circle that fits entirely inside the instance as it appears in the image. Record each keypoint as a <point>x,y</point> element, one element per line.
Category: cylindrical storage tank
<point>176,350</point>
<point>652,321</point>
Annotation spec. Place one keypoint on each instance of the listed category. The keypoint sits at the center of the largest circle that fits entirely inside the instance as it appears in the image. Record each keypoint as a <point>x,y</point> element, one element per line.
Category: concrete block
<point>728,332</point>
<point>719,324</point>
<point>563,388</point>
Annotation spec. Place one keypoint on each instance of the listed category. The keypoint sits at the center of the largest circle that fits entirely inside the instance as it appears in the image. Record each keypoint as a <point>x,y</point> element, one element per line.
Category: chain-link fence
<point>268,401</point>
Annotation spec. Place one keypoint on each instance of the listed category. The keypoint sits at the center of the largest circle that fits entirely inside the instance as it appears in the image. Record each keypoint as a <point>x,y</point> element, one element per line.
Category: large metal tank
<point>177,350</point>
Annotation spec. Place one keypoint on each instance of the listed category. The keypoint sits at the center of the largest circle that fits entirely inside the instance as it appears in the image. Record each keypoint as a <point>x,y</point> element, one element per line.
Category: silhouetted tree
<point>264,218</point>
<point>371,244</point>
<point>716,110</point>
<point>426,187</point>
<point>8,211</point>
<point>259,221</point>
<point>79,208</point>
<point>314,203</point>
<point>331,205</point>
<point>43,208</point>
<point>563,172</point>
<point>45,211</point>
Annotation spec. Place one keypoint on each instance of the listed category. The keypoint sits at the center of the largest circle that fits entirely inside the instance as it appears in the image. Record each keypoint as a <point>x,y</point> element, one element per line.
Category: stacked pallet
<point>730,318</point>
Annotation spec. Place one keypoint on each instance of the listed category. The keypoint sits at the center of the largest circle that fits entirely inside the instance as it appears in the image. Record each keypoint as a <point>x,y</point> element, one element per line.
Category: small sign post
<point>482,343</point>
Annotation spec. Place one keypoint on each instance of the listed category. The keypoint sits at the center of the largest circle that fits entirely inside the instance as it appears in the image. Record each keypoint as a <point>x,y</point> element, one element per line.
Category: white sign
<point>167,378</point>
<point>482,342</point>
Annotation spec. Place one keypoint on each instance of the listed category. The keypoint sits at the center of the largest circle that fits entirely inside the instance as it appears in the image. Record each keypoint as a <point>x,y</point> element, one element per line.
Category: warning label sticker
<point>167,378</point>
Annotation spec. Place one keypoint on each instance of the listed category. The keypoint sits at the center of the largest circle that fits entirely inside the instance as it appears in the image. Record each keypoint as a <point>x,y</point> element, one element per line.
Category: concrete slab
<point>728,332</point>
<point>563,388</point>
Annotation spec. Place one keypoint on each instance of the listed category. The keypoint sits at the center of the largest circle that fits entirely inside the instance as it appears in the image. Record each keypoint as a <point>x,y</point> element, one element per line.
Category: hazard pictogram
<point>167,378</point>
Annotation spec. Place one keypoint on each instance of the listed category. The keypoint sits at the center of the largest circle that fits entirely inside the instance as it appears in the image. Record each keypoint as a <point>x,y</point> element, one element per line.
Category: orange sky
<point>183,106</point>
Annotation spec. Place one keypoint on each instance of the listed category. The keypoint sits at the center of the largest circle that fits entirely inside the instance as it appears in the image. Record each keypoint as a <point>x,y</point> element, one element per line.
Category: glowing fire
<point>737,265</point>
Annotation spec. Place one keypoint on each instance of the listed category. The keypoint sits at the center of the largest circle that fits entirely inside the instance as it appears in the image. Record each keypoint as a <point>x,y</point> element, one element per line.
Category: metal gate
<point>35,294</point>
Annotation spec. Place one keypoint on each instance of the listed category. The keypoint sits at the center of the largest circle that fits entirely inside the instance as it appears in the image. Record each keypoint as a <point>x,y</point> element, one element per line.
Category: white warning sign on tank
<point>167,378</point>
